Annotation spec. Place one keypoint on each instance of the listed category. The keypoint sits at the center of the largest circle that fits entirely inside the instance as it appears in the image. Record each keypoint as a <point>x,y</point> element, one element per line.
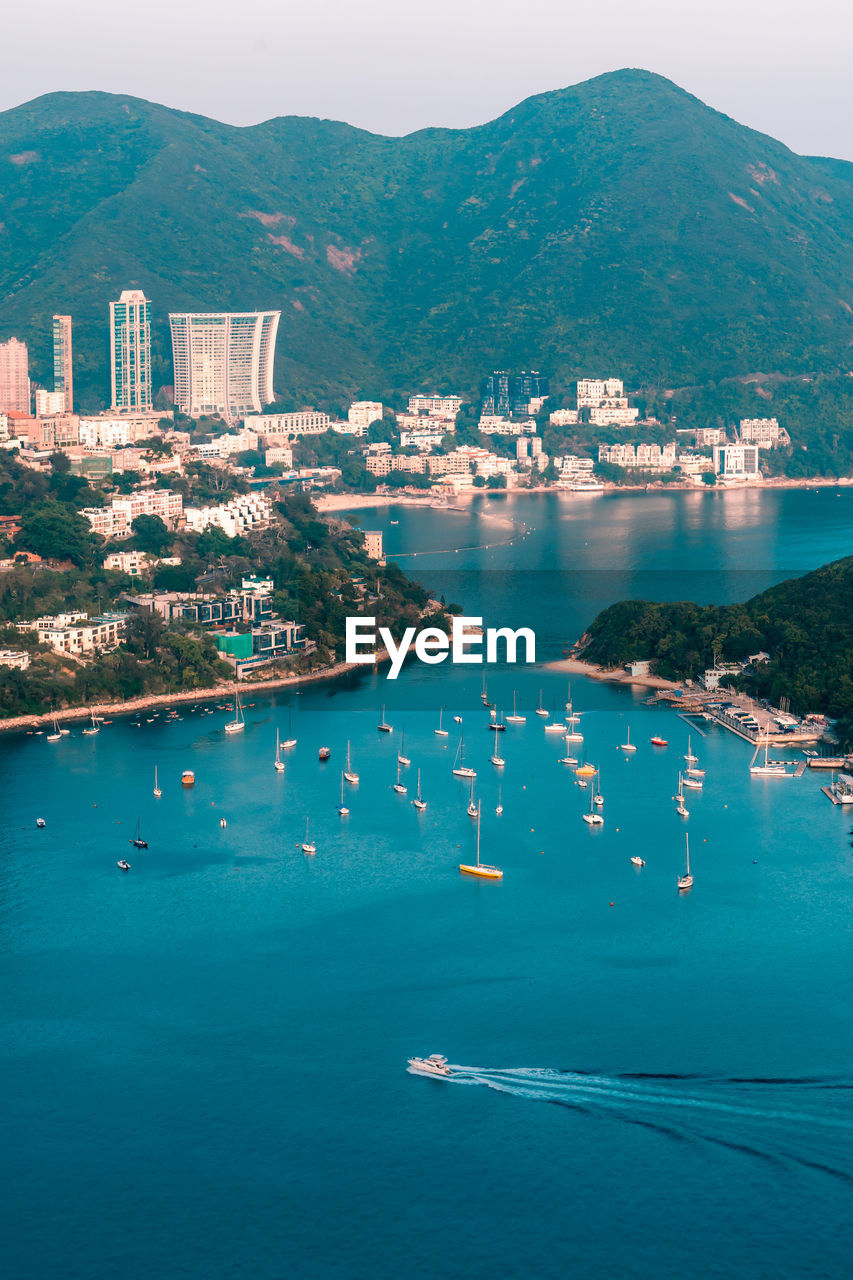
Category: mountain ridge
<point>619,223</point>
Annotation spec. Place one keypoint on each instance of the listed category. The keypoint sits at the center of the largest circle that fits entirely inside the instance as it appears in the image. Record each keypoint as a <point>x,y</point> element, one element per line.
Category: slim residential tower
<point>63,375</point>
<point>130,352</point>
<point>14,377</point>
<point>224,362</point>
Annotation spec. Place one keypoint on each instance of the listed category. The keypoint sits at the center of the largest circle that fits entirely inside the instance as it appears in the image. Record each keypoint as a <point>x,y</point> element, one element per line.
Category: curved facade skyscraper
<point>223,361</point>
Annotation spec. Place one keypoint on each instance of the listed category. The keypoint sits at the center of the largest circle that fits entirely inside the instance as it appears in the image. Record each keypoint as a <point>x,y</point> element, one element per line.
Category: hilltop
<point>617,224</point>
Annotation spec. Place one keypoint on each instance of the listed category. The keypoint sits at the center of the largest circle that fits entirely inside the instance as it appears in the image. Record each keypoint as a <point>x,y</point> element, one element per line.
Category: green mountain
<point>616,225</point>
<point>804,624</point>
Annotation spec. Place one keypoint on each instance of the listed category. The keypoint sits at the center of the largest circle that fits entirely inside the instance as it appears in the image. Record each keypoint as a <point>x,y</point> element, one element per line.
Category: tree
<point>150,534</point>
<point>56,532</point>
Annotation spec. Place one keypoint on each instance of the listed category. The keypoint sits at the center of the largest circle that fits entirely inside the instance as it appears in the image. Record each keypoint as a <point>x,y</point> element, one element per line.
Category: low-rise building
<point>422,438</point>
<point>49,403</point>
<point>435,406</point>
<point>116,520</point>
<point>76,634</point>
<point>706,437</point>
<point>17,659</point>
<point>736,461</point>
<point>563,417</point>
<point>307,422</point>
<point>239,516</point>
<point>133,563</point>
<point>363,413</point>
<point>765,433</point>
<point>279,454</point>
<point>493,425</point>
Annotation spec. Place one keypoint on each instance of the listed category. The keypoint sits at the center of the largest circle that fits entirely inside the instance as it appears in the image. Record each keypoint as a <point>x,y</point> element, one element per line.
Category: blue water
<point>204,1060</point>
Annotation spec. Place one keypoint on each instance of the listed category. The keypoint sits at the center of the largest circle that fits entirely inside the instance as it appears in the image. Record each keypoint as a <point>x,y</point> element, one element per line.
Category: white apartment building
<point>435,406</point>
<point>694,464</point>
<point>17,659</point>
<point>613,415</point>
<point>241,515</point>
<point>115,521</point>
<point>373,543</point>
<point>225,445</point>
<point>49,402</point>
<point>307,422</point>
<point>571,467</point>
<point>707,436</point>
<point>76,634</point>
<point>592,391</point>
<point>736,461</point>
<point>348,429</point>
<point>423,440</point>
<point>763,432</point>
<point>105,433</point>
<point>563,417</point>
<point>362,413</point>
<point>132,563</point>
<point>651,457</point>
<point>497,426</point>
<point>4,426</point>
<point>280,454</point>
<point>223,362</point>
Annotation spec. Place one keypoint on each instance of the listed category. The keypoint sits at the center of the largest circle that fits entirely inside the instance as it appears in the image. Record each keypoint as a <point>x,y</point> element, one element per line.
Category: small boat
<point>56,734</point>
<point>639,862</point>
<point>689,757</point>
<point>770,768</point>
<point>342,809</point>
<point>93,728</point>
<point>187,778</point>
<point>278,763</point>
<point>473,809</point>
<point>137,841</point>
<point>418,802</point>
<point>289,741</point>
<point>64,732</point>
<point>384,726</point>
<point>223,822</point>
<point>694,772</point>
<point>515,718</point>
<point>686,881</point>
<point>442,733</point>
<point>157,790</point>
<point>657,741</point>
<point>402,758</point>
<point>680,807</point>
<point>349,774</point>
<point>598,798</point>
<point>497,725</point>
<point>398,785</point>
<point>123,864</point>
<point>393,521</point>
<point>694,784</point>
<point>238,724</point>
<point>568,758</point>
<point>434,1065</point>
<point>461,770</point>
<point>484,696</point>
<point>478,868</point>
<point>499,806</point>
<point>457,719</point>
<point>540,710</point>
<point>592,818</point>
<point>40,822</point>
<point>497,761</point>
<point>324,753</point>
<point>628,745</point>
<point>586,771</point>
<point>308,846</point>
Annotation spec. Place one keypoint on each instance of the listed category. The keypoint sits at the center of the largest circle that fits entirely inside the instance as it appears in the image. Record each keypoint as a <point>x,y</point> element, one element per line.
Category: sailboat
<point>568,758</point>
<point>342,809</point>
<point>686,881</point>
<point>598,798</point>
<point>680,807</point>
<point>348,771</point>
<point>540,710</point>
<point>592,818</point>
<point>402,758</point>
<point>308,846</point>
<point>137,841</point>
<point>440,732</point>
<point>461,770</point>
<point>278,763</point>
<point>689,757</point>
<point>496,723</point>
<point>499,806</point>
<point>93,728</point>
<point>473,809</point>
<point>418,801</point>
<point>56,734</point>
<point>687,780</point>
<point>384,726</point>
<point>157,791</point>
<point>238,724</point>
<point>628,745</point>
<point>398,786</point>
<point>478,868</point>
<point>289,741</point>
<point>515,718</point>
<point>484,696</point>
<point>497,759</point>
<point>770,768</point>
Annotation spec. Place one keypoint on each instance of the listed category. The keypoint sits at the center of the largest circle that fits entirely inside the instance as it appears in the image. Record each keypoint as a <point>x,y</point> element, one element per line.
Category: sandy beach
<point>618,675</point>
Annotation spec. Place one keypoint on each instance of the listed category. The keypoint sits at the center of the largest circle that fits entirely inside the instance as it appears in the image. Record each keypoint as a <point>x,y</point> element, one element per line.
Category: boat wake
<point>803,1121</point>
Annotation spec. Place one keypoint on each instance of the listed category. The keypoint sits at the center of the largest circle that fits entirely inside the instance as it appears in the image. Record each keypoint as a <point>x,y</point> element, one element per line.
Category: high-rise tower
<point>224,362</point>
<point>14,377</point>
<point>130,352</point>
<point>63,374</point>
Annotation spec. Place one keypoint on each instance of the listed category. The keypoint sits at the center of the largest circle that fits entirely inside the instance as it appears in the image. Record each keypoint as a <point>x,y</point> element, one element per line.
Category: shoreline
<point>615,675</point>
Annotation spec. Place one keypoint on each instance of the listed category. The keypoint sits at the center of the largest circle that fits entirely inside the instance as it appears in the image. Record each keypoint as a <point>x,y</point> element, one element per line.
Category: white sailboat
<point>56,735</point>
<point>568,758</point>
<point>289,741</point>
<point>478,868</point>
<point>308,846</point>
<point>342,809</point>
<point>497,759</point>
<point>770,768</point>
<point>460,769</point>
<point>515,718</point>
<point>689,757</point>
<point>691,782</point>
<point>686,881</point>
<point>540,710</point>
<point>680,807</point>
<point>278,763</point>
<point>93,728</point>
<point>628,745</point>
<point>238,724</point>
<point>484,696</point>
<point>556,725</point>
<point>598,798</point>
<point>157,791</point>
<point>398,785</point>
<point>402,758</point>
<point>349,774</point>
<point>418,801</point>
<point>473,809</point>
<point>592,818</point>
<point>499,806</point>
<point>384,726</point>
<point>440,732</point>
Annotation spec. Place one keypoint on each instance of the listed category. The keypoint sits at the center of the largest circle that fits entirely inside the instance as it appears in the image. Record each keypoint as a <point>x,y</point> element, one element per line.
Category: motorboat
<point>434,1065</point>
<point>123,864</point>
<point>187,778</point>
<point>639,862</point>
<point>40,822</point>
<point>324,753</point>
<point>658,741</point>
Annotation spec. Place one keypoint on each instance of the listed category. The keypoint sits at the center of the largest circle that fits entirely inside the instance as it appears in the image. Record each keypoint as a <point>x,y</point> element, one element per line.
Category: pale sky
<point>392,66</point>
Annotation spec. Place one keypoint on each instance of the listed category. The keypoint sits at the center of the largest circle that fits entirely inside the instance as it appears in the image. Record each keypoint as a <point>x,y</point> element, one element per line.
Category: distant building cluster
<point>248,512</point>
<point>116,519</point>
